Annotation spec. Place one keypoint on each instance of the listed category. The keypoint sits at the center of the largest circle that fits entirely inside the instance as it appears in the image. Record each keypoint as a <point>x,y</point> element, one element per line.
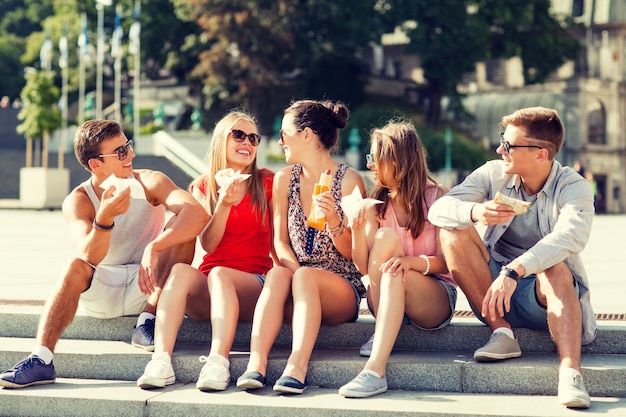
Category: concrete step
<point>445,371</point>
<point>76,397</point>
<point>463,335</point>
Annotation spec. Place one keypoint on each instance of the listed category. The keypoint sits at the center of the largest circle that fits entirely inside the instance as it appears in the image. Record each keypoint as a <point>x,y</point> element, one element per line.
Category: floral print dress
<point>314,248</point>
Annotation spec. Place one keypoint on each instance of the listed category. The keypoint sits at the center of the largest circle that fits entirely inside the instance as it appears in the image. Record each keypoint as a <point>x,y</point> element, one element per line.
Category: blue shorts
<point>526,311</point>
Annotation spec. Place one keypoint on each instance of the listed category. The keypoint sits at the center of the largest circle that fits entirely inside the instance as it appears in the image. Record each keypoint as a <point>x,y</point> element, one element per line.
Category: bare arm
<point>91,243</point>
<point>280,205</point>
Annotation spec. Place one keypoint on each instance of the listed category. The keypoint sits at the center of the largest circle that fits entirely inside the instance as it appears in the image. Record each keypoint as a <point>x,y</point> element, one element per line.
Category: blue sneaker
<point>143,336</point>
<point>30,371</point>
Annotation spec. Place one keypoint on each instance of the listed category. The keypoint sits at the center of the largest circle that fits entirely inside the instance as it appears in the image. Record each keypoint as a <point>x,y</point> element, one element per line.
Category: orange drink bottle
<point>316,218</point>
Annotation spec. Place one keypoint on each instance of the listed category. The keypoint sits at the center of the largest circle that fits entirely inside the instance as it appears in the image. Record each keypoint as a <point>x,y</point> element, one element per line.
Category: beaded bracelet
<point>102,227</point>
<point>427,270</point>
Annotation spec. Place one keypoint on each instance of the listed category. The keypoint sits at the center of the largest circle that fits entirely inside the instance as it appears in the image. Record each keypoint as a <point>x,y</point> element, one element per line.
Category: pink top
<point>426,242</point>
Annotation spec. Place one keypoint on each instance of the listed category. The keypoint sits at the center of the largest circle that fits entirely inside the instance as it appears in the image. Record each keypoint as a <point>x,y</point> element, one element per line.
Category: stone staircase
<point>429,373</point>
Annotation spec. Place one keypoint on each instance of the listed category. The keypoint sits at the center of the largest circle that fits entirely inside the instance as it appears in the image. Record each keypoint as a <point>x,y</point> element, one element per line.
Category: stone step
<point>445,371</point>
<point>464,334</point>
<point>104,398</point>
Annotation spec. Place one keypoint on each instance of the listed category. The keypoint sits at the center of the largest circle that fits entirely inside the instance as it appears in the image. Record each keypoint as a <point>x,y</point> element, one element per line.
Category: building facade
<point>589,94</point>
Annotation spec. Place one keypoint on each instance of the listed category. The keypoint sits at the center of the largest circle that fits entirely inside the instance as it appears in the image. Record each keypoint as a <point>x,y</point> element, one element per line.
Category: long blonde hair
<point>398,148</point>
<point>215,160</point>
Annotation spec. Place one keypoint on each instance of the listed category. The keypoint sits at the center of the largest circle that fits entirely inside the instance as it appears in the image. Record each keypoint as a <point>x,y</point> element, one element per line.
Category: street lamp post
<point>447,139</point>
<point>100,4</point>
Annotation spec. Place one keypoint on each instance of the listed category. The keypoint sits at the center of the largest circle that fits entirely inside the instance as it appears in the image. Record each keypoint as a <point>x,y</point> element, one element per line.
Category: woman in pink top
<point>398,248</point>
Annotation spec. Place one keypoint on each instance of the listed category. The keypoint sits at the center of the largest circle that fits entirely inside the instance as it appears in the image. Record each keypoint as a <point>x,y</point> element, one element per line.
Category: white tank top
<point>133,230</point>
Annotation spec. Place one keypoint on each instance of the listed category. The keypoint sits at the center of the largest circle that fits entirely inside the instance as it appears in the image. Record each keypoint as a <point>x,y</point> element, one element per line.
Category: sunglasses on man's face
<point>240,136</point>
<point>121,152</point>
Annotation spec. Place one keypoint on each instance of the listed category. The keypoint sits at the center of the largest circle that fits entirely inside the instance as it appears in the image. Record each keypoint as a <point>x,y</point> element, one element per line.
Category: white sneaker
<point>215,374</point>
<point>572,392</point>
<point>158,373</point>
<point>366,348</point>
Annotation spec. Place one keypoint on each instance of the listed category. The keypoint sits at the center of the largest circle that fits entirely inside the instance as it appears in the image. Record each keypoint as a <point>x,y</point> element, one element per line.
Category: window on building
<point>578,8</point>
<point>596,117</point>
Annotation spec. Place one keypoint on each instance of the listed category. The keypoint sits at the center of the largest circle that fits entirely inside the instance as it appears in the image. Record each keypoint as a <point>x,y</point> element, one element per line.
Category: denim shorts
<point>452,295</point>
<point>526,311</point>
<point>261,278</point>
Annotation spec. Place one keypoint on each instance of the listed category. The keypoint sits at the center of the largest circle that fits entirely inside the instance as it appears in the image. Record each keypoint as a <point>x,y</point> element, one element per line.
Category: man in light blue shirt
<point>526,271</point>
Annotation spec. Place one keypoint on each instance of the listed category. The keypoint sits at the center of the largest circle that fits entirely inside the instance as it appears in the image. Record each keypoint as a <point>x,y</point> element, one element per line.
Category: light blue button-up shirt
<point>565,211</point>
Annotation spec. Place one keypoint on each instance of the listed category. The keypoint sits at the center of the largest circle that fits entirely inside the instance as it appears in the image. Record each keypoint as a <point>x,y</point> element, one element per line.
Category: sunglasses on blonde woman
<point>240,136</point>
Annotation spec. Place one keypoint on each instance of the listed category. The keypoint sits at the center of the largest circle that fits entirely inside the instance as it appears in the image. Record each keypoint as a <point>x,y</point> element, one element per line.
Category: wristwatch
<point>510,272</point>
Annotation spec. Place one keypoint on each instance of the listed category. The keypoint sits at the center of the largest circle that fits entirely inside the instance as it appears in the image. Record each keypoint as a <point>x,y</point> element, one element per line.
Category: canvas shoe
<point>500,346</point>
<point>366,348</point>
<point>29,371</point>
<point>366,384</point>
<point>143,336</point>
<point>251,380</point>
<point>215,374</point>
<point>290,385</point>
<point>572,392</point>
<point>158,373</point>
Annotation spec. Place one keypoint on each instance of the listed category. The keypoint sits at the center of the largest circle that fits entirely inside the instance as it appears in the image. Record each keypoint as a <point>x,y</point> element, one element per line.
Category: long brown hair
<point>400,159</point>
<point>215,160</point>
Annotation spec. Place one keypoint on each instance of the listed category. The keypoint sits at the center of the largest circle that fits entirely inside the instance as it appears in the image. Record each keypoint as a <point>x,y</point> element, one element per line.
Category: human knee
<point>278,278</point>
<point>78,272</point>
<point>180,276</point>
<point>558,277</point>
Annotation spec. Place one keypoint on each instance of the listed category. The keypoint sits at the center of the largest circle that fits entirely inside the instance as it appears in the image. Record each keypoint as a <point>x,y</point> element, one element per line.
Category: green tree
<point>451,36</point>
<point>261,53</point>
<point>39,115</point>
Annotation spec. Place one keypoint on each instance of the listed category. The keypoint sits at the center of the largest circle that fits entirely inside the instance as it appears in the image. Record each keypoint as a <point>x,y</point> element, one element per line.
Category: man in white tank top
<point>116,221</point>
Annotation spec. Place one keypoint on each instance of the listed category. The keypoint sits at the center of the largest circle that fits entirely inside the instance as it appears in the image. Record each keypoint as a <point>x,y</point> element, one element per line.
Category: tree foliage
<point>260,52</point>
<point>451,36</point>
<point>39,112</point>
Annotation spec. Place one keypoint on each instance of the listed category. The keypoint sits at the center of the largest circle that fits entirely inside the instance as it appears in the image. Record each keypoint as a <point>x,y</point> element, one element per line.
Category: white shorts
<point>114,292</point>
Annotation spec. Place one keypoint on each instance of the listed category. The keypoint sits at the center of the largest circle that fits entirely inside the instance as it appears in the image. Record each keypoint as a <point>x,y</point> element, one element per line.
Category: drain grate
<point>470,314</point>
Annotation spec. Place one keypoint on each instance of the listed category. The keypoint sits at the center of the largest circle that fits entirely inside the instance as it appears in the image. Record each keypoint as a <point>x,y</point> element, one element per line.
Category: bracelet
<point>339,229</point>
<point>510,272</point>
<point>427,270</point>
<point>102,227</point>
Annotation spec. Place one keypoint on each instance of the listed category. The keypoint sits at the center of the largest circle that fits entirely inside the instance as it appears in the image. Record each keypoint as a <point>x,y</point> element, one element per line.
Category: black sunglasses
<point>240,136</point>
<point>507,146</point>
<point>121,152</point>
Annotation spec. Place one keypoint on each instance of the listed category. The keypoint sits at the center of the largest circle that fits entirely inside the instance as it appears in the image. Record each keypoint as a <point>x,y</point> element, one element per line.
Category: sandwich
<point>518,206</point>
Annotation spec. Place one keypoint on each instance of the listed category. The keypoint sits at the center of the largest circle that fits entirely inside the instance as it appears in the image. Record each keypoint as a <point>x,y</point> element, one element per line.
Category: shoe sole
<point>154,383</point>
<point>492,357</point>
<point>250,384</point>
<point>8,384</point>
<point>361,394</point>
<point>365,353</point>
<point>212,386</point>
<point>576,404</point>
<point>144,347</point>
<point>288,390</point>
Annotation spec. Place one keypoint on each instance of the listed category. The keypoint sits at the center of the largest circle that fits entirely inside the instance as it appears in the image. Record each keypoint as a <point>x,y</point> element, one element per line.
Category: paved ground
<point>34,246</point>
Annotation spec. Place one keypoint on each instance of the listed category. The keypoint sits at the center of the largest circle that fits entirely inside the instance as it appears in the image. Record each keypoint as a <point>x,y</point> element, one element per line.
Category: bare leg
<point>185,290</point>
<point>233,295</point>
<point>556,290</point>
<point>319,297</point>
<point>468,261</point>
<point>60,309</point>
<point>273,306</point>
<point>423,299</point>
<point>169,257</point>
